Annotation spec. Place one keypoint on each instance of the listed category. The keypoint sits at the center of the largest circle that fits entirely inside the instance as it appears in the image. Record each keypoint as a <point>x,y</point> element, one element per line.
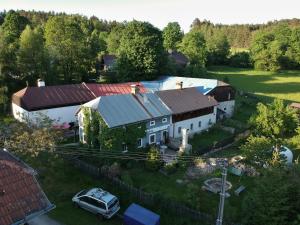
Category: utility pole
<point>222,195</point>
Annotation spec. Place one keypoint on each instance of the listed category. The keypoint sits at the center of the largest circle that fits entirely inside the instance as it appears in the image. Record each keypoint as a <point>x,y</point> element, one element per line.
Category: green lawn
<point>284,84</point>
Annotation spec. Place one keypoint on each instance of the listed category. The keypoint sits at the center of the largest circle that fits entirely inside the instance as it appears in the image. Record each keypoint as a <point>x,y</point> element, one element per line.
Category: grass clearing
<point>284,84</point>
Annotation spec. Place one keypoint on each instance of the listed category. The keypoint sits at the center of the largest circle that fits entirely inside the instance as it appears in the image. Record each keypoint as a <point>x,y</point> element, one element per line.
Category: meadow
<point>283,84</point>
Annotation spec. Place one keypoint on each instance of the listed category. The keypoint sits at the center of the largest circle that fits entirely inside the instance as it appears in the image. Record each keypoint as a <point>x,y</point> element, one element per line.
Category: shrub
<point>153,162</point>
<point>170,168</point>
<point>240,59</point>
<point>125,177</point>
<point>114,170</point>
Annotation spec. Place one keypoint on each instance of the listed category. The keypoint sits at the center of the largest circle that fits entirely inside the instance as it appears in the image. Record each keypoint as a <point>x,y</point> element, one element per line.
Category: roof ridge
<point>142,105</point>
<point>84,84</point>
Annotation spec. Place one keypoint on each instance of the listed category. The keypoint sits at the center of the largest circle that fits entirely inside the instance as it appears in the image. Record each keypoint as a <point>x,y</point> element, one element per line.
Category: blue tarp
<point>137,215</point>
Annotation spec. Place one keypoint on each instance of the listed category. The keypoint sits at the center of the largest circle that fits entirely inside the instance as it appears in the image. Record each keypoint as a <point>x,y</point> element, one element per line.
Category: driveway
<point>43,220</point>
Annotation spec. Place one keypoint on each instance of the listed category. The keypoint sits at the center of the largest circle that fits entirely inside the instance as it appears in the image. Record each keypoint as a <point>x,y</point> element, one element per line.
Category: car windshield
<point>83,192</point>
<point>112,203</point>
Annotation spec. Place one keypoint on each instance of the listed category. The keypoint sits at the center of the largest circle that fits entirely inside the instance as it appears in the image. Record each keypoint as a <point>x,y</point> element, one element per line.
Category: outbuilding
<point>138,215</point>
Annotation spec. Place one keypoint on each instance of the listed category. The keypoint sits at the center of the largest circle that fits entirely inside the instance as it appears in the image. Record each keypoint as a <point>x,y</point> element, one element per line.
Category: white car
<point>97,201</point>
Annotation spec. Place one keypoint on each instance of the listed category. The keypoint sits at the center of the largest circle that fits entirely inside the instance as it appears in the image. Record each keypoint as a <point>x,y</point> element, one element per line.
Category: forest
<point>61,48</point>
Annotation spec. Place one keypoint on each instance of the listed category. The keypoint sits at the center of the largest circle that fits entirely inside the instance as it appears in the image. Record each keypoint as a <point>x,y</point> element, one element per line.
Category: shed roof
<point>179,57</point>
<point>109,59</point>
<point>21,196</point>
<point>185,100</point>
<point>136,214</point>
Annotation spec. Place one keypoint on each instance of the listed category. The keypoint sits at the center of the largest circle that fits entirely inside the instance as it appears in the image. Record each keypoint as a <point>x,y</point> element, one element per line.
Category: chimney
<point>40,83</point>
<point>179,85</point>
<point>134,89</point>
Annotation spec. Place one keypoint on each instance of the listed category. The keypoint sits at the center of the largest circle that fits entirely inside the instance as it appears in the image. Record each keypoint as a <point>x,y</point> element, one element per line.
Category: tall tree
<point>218,48</point>
<point>172,35</point>
<point>114,38</point>
<point>68,48</point>
<point>193,45</point>
<point>31,56</point>
<point>141,53</point>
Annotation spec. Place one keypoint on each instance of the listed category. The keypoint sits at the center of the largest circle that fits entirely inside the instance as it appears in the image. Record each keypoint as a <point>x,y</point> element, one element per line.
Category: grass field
<point>284,85</point>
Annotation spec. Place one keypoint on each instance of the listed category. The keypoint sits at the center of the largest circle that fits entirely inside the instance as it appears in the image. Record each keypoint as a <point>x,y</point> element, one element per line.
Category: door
<point>164,136</point>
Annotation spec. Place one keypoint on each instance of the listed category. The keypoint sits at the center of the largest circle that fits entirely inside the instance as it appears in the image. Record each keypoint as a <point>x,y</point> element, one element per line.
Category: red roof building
<point>21,197</point>
<point>48,97</point>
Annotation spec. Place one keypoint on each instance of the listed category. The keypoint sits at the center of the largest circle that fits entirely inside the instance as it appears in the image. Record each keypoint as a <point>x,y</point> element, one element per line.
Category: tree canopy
<point>193,45</point>
<point>141,53</point>
<point>172,35</point>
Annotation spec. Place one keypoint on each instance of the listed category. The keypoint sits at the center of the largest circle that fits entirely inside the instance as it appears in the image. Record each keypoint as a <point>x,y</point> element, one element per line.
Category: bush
<point>171,168</point>
<point>125,177</point>
<point>153,162</point>
<point>240,59</point>
<point>114,170</point>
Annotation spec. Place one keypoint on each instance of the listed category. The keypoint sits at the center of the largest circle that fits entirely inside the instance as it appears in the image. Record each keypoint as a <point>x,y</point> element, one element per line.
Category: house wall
<point>156,130</point>
<point>228,107</point>
<point>61,114</point>
<point>195,121</point>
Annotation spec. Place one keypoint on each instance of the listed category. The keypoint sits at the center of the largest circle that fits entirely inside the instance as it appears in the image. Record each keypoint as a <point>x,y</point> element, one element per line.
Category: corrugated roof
<point>118,110</point>
<point>21,195</point>
<point>153,105</point>
<point>36,98</point>
<point>185,100</point>
<point>113,89</point>
<point>169,83</point>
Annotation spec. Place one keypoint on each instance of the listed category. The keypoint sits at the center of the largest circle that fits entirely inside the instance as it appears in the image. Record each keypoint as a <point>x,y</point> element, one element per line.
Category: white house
<point>190,110</point>
<point>58,103</point>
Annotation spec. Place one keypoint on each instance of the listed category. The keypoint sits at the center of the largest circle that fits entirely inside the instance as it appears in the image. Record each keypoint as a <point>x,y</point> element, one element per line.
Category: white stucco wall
<point>228,107</point>
<point>59,115</point>
<point>195,121</point>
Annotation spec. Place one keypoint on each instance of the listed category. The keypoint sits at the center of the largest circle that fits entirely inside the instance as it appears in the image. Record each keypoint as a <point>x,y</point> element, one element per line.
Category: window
<point>152,138</point>
<point>225,109</point>
<point>209,121</point>
<point>191,126</point>
<point>179,130</point>
<point>199,124</point>
<point>152,122</point>
<point>164,120</point>
<point>140,143</point>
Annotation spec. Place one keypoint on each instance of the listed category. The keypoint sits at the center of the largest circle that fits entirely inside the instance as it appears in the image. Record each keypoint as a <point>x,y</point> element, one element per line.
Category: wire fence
<point>151,199</point>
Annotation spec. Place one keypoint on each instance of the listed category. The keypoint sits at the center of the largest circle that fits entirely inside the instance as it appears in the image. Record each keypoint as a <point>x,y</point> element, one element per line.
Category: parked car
<point>97,201</point>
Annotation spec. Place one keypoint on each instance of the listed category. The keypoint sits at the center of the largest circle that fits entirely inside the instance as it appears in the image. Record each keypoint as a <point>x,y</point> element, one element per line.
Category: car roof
<point>100,194</point>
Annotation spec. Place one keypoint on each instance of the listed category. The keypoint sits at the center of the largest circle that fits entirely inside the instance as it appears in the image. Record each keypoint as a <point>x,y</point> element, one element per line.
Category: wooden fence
<point>156,200</point>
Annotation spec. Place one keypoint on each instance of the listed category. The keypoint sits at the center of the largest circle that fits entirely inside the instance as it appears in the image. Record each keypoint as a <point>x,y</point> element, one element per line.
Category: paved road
<point>43,220</point>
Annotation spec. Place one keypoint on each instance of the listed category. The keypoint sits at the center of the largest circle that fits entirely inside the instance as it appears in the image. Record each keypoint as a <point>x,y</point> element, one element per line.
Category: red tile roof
<point>20,193</point>
<point>113,89</point>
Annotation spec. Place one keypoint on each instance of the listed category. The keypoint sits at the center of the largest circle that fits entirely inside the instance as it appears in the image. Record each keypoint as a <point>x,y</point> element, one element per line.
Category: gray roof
<point>185,100</point>
<point>118,110</point>
<point>153,105</point>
